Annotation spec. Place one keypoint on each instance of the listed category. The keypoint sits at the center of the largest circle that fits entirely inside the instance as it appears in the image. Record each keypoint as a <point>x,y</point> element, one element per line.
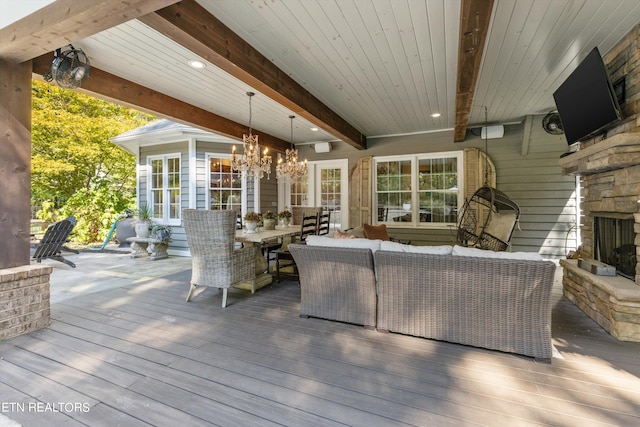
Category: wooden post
<point>15,163</point>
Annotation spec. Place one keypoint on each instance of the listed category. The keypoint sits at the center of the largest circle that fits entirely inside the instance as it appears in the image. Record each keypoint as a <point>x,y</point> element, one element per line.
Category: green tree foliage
<point>74,163</point>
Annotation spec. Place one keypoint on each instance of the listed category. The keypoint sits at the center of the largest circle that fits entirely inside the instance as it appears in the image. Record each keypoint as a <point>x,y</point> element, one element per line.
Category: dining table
<point>258,238</point>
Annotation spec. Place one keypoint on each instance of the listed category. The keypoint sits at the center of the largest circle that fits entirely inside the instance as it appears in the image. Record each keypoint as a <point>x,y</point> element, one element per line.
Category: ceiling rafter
<point>64,21</point>
<point>193,27</point>
<point>104,85</point>
<point>475,16</point>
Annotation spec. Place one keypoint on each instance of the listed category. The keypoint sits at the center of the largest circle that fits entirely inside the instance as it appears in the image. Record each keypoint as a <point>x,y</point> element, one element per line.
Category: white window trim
<point>284,186</point>
<point>244,200</point>
<point>165,185</point>
<point>315,190</point>
<point>193,173</point>
<point>414,158</point>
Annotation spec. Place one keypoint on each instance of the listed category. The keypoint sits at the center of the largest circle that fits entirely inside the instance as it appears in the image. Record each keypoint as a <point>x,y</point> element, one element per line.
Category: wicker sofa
<point>500,302</point>
<point>336,284</point>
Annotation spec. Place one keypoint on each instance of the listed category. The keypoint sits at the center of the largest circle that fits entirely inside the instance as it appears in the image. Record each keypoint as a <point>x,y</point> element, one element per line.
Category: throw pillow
<point>339,234</point>
<point>358,232</point>
<point>376,232</point>
<point>501,225</point>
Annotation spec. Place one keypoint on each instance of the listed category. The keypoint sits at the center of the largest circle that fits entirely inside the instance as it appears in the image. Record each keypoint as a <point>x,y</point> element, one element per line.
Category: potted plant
<point>269,219</point>
<point>144,220</point>
<point>162,233</point>
<point>251,221</point>
<point>285,216</point>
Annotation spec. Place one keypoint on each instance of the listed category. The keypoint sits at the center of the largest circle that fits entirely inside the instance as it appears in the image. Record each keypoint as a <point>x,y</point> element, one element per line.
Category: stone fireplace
<point>614,242</point>
<point>610,183</point>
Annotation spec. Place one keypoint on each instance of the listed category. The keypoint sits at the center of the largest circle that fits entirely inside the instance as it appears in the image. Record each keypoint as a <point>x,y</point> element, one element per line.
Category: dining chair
<point>214,260</point>
<point>238,220</point>
<point>324,223</point>
<point>383,213</point>
<point>308,226</point>
<point>301,211</point>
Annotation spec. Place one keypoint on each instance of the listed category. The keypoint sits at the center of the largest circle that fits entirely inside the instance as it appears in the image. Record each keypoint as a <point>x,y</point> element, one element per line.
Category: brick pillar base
<point>24,300</point>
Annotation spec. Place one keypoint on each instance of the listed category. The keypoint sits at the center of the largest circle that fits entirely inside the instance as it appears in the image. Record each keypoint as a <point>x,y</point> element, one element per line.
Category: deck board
<point>140,355</point>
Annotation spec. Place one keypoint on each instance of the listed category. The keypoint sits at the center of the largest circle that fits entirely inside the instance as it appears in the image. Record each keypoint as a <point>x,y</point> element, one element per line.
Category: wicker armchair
<point>215,262</point>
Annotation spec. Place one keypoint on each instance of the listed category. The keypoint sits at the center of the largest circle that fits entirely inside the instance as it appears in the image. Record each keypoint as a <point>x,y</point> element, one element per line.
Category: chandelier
<point>291,168</point>
<point>250,162</point>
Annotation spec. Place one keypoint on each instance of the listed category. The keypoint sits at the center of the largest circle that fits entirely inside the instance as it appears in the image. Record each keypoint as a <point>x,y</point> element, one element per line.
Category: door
<point>331,190</point>
<point>326,185</point>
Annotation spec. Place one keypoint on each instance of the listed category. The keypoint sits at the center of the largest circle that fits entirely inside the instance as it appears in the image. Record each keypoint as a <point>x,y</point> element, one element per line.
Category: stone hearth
<point>610,173</point>
<point>613,302</point>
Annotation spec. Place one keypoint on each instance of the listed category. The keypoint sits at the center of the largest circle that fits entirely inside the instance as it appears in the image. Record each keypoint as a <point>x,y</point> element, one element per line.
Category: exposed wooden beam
<point>475,17</point>
<point>66,21</point>
<point>15,163</point>
<point>104,85</point>
<point>193,27</point>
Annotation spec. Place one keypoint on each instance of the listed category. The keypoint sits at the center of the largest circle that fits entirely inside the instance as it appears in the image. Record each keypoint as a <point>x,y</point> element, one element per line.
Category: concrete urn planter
<point>143,229</point>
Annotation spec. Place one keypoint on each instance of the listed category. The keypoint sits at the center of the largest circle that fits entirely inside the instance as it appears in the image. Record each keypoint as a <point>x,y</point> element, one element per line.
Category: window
<point>331,192</point>
<point>299,191</point>
<point>326,185</point>
<point>418,190</point>
<point>164,188</point>
<point>225,185</point>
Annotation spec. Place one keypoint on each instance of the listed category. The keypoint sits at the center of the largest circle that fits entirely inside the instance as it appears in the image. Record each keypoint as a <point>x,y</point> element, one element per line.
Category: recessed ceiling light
<point>434,115</point>
<point>314,129</point>
<point>197,64</point>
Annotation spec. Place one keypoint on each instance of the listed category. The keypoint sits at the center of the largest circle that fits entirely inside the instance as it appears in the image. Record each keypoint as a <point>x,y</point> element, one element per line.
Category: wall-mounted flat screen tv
<point>586,101</point>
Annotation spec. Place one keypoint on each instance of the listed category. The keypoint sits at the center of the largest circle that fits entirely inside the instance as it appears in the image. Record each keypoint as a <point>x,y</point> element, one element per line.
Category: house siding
<point>547,199</point>
<point>533,179</point>
<point>178,238</point>
<point>269,192</point>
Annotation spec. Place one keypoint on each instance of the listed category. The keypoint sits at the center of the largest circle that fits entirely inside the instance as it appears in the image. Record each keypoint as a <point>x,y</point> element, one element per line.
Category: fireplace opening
<point>614,243</point>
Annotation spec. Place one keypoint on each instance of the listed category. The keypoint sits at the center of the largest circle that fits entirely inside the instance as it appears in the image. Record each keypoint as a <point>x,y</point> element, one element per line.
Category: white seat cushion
<point>400,247</point>
<point>482,253</point>
<point>374,245</point>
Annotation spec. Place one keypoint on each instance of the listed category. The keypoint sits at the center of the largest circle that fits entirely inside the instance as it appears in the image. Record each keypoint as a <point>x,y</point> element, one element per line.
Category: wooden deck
<point>140,355</point>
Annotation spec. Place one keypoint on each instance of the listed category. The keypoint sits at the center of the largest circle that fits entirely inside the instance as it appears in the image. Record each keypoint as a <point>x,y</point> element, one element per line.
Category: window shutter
<point>475,164</point>
<point>360,193</point>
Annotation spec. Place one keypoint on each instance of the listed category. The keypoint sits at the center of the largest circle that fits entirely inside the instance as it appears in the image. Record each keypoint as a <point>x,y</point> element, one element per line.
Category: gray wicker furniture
<point>499,304</point>
<point>336,284</point>
<point>215,262</point>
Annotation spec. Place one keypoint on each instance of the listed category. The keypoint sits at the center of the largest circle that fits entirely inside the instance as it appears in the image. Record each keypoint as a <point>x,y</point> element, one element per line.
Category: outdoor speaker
<point>492,132</point>
<point>322,147</point>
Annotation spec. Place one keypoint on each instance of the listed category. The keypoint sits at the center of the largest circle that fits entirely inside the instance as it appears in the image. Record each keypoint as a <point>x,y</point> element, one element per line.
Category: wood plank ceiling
<point>355,69</point>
